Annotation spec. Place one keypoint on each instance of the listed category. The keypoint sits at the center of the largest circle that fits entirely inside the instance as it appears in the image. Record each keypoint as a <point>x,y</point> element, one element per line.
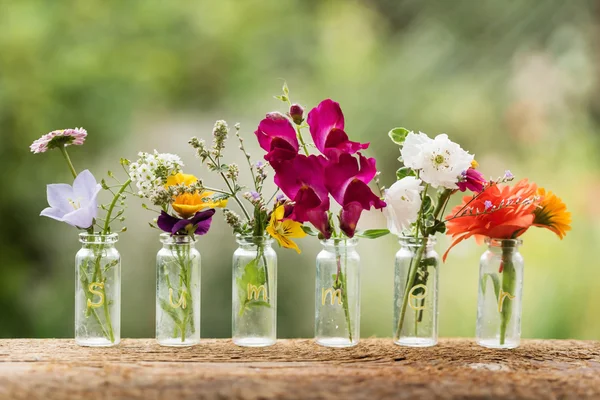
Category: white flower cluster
<point>403,201</point>
<point>440,161</point>
<point>151,171</point>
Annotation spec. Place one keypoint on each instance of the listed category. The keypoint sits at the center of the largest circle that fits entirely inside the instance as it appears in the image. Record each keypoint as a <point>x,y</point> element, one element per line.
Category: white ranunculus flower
<point>443,162</point>
<point>403,201</point>
<point>411,149</point>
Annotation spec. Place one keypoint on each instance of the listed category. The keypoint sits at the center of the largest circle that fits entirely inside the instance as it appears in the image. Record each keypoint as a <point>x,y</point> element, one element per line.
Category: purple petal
<point>85,185</point>
<point>166,222</point>
<point>58,195</point>
<point>53,213</point>
<point>81,218</point>
<point>180,226</point>
<point>202,220</point>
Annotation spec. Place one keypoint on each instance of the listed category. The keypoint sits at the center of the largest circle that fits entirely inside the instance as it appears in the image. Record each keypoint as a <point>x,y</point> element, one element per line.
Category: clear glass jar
<point>416,293</point>
<point>177,291</point>
<point>337,294</point>
<point>254,292</point>
<point>98,291</point>
<point>500,293</point>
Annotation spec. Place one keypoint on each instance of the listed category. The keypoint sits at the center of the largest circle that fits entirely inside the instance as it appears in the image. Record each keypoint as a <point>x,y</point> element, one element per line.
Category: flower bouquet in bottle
<point>98,263</point>
<point>432,170</point>
<point>340,170</point>
<point>254,283</point>
<point>185,210</point>
<point>500,215</point>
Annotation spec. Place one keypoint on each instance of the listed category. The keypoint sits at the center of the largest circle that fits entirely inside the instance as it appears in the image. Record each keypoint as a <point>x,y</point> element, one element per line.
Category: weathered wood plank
<point>297,369</point>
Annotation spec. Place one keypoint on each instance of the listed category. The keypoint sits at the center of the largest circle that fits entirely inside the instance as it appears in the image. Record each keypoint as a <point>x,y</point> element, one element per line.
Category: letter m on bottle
<point>255,292</point>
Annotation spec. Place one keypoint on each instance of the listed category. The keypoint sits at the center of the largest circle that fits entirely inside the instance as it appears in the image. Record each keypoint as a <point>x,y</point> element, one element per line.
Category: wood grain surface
<point>297,369</point>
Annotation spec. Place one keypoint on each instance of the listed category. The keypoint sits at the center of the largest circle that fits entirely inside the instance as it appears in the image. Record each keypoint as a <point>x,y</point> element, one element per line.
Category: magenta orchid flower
<point>199,224</point>
<point>76,205</point>
<point>277,136</point>
<point>326,122</point>
<point>302,180</point>
<point>472,180</point>
<point>347,181</point>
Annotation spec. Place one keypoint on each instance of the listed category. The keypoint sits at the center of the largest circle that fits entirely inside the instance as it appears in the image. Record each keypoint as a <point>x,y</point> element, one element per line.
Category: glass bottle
<point>254,292</point>
<point>177,291</point>
<point>337,294</point>
<point>98,291</point>
<point>416,293</point>
<point>500,293</point>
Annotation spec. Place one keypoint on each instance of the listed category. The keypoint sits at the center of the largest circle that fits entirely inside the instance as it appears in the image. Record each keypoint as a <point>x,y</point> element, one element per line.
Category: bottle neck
<point>503,246</point>
<point>92,241</point>
<point>339,245</point>
<point>417,242</point>
<point>254,242</point>
<point>177,241</point>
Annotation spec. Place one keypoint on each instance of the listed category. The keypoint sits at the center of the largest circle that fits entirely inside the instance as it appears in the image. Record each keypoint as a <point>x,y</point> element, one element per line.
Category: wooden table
<point>297,369</point>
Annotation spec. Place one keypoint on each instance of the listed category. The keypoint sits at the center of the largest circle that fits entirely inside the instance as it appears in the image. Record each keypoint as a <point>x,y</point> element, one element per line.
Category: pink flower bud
<point>297,113</point>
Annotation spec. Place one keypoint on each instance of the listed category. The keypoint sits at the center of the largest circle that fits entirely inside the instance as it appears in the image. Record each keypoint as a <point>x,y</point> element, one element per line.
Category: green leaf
<point>429,221</point>
<point>337,281</point>
<point>282,98</point>
<point>309,231</point>
<point>427,205</point>
<point>285,89</point>
<point>495,282</point>
<point>429,262</point>
<point>258,303</point>
<point>372,233</point>
<point>404,172</point>
<point>398,135</point>
<point>440,226</point>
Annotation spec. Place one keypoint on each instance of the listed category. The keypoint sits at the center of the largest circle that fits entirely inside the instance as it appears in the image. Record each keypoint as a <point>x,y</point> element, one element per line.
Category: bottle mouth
<point>495,242</point>
<point>167,238</point>
<point>253,240</point>
<point>417,241</point>
<point>347,242</point>
<point>96,238</point>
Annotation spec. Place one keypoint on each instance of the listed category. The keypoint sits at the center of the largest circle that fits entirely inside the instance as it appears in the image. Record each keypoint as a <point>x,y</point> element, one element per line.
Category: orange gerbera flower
<point>552,214</point>
<point>499,212</point>
<point>188,204</point>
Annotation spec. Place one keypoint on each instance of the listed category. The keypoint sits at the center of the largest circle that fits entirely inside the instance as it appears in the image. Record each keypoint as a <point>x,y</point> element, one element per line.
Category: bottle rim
<point>337,242</point>
<point>98,238</point>
<point>253,240</point>
<point>417,241</point>
<point>167,238</point>
<point>496,242</point>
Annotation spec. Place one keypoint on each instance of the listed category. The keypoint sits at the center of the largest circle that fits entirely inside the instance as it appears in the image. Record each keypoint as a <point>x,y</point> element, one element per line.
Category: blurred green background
<point>516,83</point>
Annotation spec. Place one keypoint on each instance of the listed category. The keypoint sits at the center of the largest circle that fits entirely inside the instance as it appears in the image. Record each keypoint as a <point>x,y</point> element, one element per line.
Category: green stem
<point>63,150</point>
<point>508,287</point>
<point>301,139</point>
<point>342,280</point>
<point>111,208</point>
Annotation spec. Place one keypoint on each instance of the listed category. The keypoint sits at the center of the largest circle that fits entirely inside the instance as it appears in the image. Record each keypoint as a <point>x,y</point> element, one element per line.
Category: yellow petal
<point>181,178</point>
<point>279,213</point>
<point>293,229</point>
<point>187,210</point>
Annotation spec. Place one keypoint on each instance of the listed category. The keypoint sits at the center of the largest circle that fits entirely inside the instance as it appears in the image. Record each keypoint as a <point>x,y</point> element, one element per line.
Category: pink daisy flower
<point>60,138</point>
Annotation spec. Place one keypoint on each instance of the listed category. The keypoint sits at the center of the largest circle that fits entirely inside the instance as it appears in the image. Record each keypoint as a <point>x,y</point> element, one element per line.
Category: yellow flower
<point>552,214</point>
<point>282,230</point>
<point>188,204</point>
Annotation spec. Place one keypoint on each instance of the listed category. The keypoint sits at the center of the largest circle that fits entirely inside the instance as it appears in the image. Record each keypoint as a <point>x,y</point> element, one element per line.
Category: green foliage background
<point>515,82</point>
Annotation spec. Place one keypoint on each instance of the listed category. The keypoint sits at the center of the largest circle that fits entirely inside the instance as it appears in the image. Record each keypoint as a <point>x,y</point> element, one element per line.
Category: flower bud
<point>297,113</point>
